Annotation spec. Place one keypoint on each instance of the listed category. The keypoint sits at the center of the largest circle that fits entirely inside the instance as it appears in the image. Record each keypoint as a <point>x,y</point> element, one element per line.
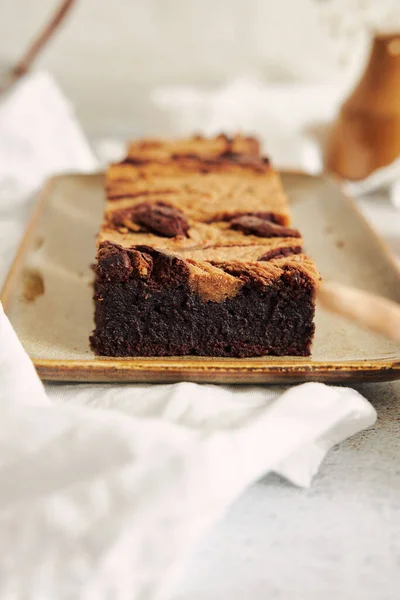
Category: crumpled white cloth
<point>105,489</point>
<point>39,137</point>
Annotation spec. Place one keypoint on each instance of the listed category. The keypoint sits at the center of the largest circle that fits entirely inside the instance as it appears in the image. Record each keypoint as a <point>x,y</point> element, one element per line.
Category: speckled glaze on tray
<point>48,294</point>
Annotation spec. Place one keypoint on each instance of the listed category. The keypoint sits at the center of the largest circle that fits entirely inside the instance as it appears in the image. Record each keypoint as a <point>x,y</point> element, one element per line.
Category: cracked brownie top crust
<point>202,178</point>
<point>215,274</point>
<point>197,146</point>
<point>207,201</point>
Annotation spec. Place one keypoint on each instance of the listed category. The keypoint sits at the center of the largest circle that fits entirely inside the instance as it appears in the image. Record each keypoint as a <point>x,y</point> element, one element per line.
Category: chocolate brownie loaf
<point>196,255</point>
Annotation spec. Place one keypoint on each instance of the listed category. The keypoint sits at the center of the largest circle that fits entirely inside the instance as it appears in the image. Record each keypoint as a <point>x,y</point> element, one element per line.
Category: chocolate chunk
<point>113,263</point>
<point>158,217</point>
<point>252,225</point>
<point>161,218</point>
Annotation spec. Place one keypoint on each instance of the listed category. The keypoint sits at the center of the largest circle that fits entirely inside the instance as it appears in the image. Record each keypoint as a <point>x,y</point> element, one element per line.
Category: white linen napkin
<point>39,137</point>
<point>105,489</point>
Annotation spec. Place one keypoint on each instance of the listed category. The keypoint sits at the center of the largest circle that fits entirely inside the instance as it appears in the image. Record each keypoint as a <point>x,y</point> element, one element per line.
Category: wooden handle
<point>370,311</point>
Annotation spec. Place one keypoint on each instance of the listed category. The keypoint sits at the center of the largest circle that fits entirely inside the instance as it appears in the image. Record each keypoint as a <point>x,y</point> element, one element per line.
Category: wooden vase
<point>366,135</point>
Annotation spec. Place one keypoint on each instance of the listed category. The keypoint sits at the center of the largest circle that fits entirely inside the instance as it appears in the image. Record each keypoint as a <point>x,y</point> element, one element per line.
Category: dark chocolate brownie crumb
<point>252,225</point>
<point>275,319</point>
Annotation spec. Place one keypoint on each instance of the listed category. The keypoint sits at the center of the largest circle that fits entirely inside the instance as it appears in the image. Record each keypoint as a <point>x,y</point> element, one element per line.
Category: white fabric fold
<point>107,489</point>
<point>40,136</point>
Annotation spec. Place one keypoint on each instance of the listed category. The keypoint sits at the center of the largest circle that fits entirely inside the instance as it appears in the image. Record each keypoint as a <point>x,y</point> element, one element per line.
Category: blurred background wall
<point>110,53</point>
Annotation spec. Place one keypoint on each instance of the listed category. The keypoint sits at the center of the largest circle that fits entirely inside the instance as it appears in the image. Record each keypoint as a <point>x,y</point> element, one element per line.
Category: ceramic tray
<point>48,293</point>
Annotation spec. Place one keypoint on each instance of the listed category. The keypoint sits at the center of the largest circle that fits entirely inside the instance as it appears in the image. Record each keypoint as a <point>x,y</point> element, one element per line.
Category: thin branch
<point>25,63</point>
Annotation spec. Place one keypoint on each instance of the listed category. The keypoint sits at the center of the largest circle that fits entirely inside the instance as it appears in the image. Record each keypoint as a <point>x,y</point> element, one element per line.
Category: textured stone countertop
<point>340,539</point>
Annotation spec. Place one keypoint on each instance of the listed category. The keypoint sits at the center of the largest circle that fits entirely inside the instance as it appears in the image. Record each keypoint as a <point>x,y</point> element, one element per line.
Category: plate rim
<point>198,370</point>
<point>289,368</point>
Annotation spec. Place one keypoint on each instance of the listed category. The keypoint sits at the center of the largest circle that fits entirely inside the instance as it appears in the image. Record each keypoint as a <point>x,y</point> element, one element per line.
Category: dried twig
<point>25,63</point>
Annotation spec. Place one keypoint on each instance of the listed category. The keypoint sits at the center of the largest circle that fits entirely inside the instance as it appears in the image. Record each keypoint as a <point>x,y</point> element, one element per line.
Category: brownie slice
<point>151,302</point>
<point>196,256</point>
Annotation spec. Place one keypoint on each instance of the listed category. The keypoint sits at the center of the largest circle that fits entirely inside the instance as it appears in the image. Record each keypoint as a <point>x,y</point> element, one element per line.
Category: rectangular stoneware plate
<point>48,294</point>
